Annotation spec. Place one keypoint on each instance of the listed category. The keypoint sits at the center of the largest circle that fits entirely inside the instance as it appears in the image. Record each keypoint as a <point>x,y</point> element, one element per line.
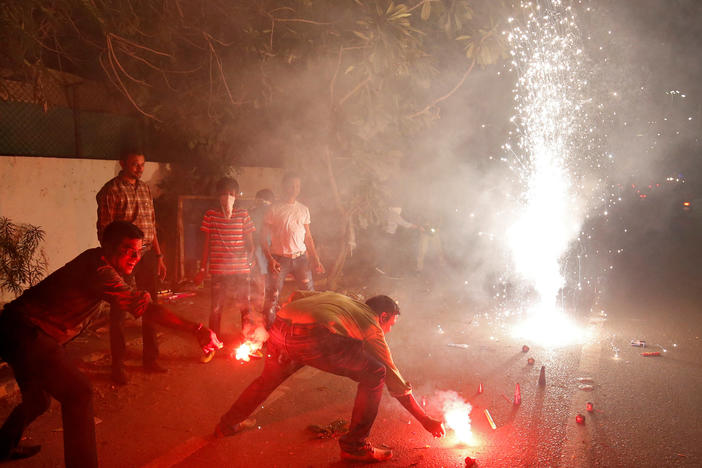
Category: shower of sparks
<point>548,152</point>
<point>456,413</point>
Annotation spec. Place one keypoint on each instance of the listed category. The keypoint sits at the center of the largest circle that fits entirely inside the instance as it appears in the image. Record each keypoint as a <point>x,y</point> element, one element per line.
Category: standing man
<point>227,253</point>
<point>127,198</point>
<point>288,225</point>
<point>336,334</point>
<point>35,326</point>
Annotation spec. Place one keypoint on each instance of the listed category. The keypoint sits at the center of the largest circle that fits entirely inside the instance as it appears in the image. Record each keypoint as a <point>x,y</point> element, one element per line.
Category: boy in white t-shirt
<point>287,224</point>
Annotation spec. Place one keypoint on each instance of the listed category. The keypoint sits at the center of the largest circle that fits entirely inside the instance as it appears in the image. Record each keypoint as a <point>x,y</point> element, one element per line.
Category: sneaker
<point>226,430</point>
<point>205,358</point>
<point>119,376</point>
<point>155,368</point>
<point>20,452</point>
<point>367,454</point>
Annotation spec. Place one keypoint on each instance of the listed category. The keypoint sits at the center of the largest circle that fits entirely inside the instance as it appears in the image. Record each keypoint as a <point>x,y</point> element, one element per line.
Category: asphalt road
<point>646,408</point>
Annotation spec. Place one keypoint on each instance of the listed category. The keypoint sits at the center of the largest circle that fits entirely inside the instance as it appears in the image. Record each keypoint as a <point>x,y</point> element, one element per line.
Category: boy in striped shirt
<point>228,255</point>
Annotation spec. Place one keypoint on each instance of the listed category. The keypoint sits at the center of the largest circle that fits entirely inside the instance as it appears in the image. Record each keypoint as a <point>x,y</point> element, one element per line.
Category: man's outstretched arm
<point>436,428</point>
<point>207,338</point>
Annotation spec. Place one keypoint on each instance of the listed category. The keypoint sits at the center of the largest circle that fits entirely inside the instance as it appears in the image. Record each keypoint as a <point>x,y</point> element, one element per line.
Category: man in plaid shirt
<point>127,198</point>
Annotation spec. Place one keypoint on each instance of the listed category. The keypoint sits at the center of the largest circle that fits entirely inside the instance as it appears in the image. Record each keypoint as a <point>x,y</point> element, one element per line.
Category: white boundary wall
<point>58,194</point>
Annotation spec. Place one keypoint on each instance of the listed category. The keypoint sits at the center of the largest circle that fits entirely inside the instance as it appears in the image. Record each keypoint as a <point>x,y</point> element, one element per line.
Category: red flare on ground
<point>480,388</point>
<point>517,395</point>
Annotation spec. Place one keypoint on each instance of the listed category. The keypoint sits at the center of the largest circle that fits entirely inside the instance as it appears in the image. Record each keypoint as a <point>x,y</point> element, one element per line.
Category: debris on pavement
<point>586,387</point>
<point>525,349</point>
<point>589,407</point>
<point>458,345</point>
<point>651,354</point>
<point>470,462</point>
<point>542,377</point>
<point>517,395</point>
<point>531,361</point>
<point>333,429</point>
<point>638,343</point>
<point>580,419</point>
<point>490,420</point>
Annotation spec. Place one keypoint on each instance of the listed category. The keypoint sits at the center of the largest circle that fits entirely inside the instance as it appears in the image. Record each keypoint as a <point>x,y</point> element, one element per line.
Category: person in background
<point>292,247</point>
<point>260,276</point>
<point>35,326</point>
<point>227,255</point>
<point>127,198</point>
<point>342,336</point>
<point>391,252</point>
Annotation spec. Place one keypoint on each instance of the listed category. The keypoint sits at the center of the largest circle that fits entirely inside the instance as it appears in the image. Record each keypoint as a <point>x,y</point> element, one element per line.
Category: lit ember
<point>245,350</point>
<point>457,416</point>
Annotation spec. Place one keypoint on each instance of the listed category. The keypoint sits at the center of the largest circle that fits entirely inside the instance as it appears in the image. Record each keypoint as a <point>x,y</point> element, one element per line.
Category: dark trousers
<point>226,290</point>
<point>291,347</point>
<point>145,277</point>
<point>300,269</point>
<point>42,371</point>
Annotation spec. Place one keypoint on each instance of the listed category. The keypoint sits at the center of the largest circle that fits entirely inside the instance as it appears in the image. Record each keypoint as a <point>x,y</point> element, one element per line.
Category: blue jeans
<point>226,290</point>
<point>300,269</point>
<point>291,347</point>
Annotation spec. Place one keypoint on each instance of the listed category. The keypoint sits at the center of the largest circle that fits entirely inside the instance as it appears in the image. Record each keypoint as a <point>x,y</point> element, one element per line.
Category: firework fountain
<point>550,125</point>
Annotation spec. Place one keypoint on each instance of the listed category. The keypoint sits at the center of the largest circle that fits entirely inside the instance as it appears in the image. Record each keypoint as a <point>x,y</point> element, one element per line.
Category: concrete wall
<point>58,194</point>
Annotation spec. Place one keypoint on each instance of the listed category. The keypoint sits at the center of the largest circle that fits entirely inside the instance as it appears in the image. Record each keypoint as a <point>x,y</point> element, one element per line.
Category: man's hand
<point>161,268</point>
<point>436,428</point>
<point>273,265</point>
<point>208,339</point>
<point>318,267</point>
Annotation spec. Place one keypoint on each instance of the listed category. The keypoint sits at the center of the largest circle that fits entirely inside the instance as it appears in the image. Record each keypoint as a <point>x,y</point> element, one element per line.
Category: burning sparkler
<point>550,120</point>
<point>251,347</point>
<point>457,416</point>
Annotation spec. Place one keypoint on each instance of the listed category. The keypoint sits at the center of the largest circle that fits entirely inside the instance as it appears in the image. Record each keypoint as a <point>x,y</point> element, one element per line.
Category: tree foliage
<point>339,89</point>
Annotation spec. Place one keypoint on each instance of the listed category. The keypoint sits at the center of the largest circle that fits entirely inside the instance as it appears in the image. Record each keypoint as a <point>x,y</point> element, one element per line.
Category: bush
<point>22,260</point>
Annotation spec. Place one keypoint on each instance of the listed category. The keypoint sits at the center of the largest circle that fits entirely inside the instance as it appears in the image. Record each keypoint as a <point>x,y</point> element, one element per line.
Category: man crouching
<point>35,326</point>
<point>336,334</point>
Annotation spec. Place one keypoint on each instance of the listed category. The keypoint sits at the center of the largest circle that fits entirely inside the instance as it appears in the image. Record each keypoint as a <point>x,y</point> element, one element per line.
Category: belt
<point>297,329</point>
<point>291,255</point>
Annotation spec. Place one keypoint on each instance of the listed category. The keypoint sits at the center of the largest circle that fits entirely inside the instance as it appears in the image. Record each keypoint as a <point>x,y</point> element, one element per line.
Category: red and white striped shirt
<point>227,249</point>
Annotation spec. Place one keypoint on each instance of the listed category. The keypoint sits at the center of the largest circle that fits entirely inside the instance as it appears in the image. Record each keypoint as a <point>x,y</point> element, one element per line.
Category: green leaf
<point>426,10</point>
<point>361,35</point>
